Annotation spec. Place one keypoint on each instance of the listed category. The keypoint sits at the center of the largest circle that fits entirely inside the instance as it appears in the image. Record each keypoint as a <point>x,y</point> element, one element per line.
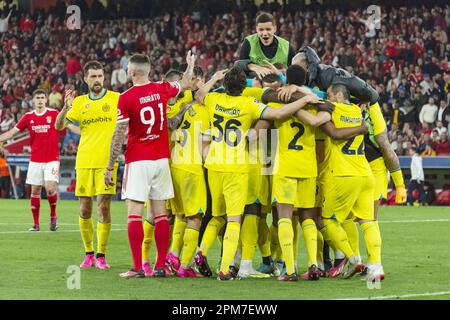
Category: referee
<point>264,45</point>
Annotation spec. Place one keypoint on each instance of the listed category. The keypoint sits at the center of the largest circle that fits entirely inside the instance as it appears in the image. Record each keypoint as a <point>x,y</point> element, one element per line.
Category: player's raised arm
<point>61,121</point>
<point>189,73</point>
<point>289,109</point>
<point>205,88</point>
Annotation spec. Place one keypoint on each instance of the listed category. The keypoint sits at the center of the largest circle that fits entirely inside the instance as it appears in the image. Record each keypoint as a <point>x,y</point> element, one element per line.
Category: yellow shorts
<point>168,207</point>
<point>301,193</point>
<point>258,189</point>
<point>190,193</point>
<point>320,193</point>
<point>380,174</point>
<point>347,195</point>
<point>91,182</point>
<point>228,192</point>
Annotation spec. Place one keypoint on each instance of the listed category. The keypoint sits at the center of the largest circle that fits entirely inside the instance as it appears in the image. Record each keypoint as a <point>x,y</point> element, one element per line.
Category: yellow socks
<point>177,235</point>
<point>148,239</point>
<point>310,235</point>
<point>286,237</point>
<point>352,232</point>
<point>320,244</point>
<point>332,231</point>
<point>103,231</point>
<point>190,241</point>
<point>372,238</point>
<point>211,232</point>
<point>249,236</point>
<point>296,229</point>
<point>230,244</point>
<point>87,233</point>
<point>274,243</point>
<point>264,238</point>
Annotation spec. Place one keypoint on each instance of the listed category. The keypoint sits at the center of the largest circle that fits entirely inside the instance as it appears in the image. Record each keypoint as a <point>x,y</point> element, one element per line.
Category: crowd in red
<point>407,60</point>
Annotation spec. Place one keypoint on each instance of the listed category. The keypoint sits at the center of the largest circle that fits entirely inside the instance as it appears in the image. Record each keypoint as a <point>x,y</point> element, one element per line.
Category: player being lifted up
<point>96,113</point>
<point>142,110</point>
<point>232,115</point>
<point>43,169</point>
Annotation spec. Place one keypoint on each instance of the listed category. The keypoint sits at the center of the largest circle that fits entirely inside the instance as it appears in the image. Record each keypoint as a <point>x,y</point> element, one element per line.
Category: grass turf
<point>34,265</point>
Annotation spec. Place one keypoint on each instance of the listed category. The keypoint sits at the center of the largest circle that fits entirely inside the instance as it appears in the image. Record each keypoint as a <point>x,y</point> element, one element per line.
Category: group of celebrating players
<point>271,144</point>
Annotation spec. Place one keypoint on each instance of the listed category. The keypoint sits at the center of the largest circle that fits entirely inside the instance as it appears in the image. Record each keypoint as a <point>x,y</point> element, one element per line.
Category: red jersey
<point>43,135</point>
<point>144,106</point>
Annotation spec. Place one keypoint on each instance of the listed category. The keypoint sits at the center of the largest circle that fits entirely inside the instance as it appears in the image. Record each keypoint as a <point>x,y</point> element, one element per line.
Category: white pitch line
<point>60,231</point>
<point>402,296</point>
<point>415,221</point>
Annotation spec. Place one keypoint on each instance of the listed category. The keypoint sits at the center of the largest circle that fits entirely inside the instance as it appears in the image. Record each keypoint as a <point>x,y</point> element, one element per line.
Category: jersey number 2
<point>301,130</point>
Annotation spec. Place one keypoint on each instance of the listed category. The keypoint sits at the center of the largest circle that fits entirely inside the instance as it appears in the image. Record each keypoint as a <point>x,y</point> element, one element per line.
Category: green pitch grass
<point>34,265</point>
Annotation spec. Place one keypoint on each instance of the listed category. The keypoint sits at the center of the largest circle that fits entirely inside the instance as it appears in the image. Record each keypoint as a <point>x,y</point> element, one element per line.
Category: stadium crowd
<point>407,62</point>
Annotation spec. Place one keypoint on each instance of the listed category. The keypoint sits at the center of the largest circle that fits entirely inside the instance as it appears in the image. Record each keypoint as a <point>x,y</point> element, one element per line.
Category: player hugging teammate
<point>188,140</point>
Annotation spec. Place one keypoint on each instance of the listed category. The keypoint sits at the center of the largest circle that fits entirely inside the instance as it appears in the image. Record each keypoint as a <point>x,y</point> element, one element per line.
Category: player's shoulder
<point>79,99</point>
<point>113,94</point>
<point>51,110</point>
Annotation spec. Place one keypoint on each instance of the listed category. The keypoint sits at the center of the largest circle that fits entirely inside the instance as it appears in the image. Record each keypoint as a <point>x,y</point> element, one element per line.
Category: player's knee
<point>234,219</point>
<point>194,222</point>
<point>85,211</point>
<point>103,208</point>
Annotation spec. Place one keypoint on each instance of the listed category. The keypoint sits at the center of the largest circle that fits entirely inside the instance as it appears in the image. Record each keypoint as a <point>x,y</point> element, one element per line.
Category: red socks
<point>135,237</point>
<point>35,206</point>
<point>162,239</point>
<point>52,199</point>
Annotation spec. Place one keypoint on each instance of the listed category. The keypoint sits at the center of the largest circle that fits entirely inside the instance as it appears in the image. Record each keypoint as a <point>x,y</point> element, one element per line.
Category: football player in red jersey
<point>43,169</point>
<point>142,110</point>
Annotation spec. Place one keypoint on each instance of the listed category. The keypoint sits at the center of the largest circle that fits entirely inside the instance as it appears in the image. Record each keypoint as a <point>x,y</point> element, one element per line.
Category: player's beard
<point>96,88</point>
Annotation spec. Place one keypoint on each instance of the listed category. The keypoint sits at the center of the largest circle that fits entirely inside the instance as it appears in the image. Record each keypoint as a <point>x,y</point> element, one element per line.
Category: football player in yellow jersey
<point>178,223</point>
<point>294,180</point>
<point>258,198</point>
<point>232,115</point>
<point>349,194</point>
<point>96,113</point>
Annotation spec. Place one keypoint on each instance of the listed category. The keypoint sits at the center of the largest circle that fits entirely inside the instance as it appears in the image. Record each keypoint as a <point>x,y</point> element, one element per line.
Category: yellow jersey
<point>376,124</point>
<point>323,165</point>
<point>97,121</point>
<point>254,92</point>
<point>296,148</point>
<point>347,156</point>
<point>186,151</point>
<point>231,117</point>
<point>257,159</point>
<point>173,109</point>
